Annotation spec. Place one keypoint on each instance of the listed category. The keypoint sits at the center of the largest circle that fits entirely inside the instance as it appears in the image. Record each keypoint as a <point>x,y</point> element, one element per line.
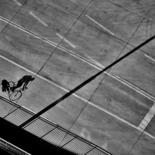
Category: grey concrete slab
<point>95,43</point>
<point>151,127</point>
<point>98,47</point>
<point>138,70</point>
<point>144,146</point>
<point>73,7</point>
<point>69,72</point>
<point>23,49</point>
<point>87,91</point>
<point>39,95</point>
<point>106,131</point>
<point>49,17</point>
<point>141,8</point>
<point>65,112</point>
<point>121,100</point>
<point>2,25</point>
<point>119,21</point>
<point>8,8</point>
<point>79,2</point>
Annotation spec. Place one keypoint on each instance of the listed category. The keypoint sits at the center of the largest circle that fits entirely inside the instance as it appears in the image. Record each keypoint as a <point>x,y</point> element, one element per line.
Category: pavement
<point>66,42</point>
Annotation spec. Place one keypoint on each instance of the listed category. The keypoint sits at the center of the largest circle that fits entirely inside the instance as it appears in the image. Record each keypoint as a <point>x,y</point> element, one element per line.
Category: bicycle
<point>16,94</point>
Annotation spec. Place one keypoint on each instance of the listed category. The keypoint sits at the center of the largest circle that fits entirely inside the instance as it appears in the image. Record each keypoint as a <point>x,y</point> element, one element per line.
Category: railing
<point>49,131</point>
<point>11,148</point>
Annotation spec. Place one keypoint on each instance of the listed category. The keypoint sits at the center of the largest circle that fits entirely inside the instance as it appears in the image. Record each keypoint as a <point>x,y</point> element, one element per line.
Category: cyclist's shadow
<point>15,90</point>
<point>12,95</point>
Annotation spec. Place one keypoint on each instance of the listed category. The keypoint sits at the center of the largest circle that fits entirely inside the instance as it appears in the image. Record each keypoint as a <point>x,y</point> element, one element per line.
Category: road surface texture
<point>63,43</point>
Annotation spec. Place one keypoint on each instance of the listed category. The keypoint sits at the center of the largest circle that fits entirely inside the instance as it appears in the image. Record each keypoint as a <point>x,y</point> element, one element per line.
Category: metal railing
<point>49,131</point>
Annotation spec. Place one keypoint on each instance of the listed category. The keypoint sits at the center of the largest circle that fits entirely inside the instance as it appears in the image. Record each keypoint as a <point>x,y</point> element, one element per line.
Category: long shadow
<point>86,82</point>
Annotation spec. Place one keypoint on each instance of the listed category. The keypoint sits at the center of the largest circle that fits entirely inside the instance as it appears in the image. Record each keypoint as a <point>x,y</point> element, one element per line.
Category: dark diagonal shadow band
<point>85,82</point>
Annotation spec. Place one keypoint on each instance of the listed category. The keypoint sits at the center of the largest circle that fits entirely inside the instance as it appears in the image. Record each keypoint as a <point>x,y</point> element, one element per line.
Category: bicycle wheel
<point>16,95</point>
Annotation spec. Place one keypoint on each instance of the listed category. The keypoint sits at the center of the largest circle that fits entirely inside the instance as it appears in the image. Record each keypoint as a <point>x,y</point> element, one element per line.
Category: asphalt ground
<point>115,110</point>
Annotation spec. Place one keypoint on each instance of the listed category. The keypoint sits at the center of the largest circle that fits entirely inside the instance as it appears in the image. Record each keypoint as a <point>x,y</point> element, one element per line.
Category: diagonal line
<point>141,134</point>
<point>84,107</point>
<point>86,82</point>
<point>13,16</point>
<point>82,110</point>
<point>79,57</point>
<point>134,144</point>
<point>58,45</point>
<point>73,24</point>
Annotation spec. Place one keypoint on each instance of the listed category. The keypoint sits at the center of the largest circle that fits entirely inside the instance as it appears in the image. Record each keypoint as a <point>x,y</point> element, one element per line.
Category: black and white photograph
<point>77,77</point>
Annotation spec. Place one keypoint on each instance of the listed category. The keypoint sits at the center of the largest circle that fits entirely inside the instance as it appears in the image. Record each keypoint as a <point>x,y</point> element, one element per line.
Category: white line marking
<point>150,58</point>
<point>148,117</point>
<point>96,62</point>
<point>67,41</point>
<point>100,25</point>
<point>148,134</point>
<point>37,18</point>
<point>44,39</point>
<point>133,87</point>
<point>19,4</point>
<point>66,90</point>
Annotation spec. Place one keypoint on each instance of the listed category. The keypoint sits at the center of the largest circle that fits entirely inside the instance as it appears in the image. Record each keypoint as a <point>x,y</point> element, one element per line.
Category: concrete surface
<point>114,109</point>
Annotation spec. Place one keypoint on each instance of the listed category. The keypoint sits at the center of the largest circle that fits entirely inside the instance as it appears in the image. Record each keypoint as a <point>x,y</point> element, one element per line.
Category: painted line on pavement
<point>148,117</point>
<point>18,3</point>
<point>100,25</point>
<point>37,18</point>
<point>132,86</point>
<point>149,57</point>
<point>67,41</point>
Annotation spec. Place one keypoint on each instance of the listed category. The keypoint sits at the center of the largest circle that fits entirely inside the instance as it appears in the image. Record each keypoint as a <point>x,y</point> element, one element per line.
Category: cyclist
<point>23,82</point>
<point>5,86</point>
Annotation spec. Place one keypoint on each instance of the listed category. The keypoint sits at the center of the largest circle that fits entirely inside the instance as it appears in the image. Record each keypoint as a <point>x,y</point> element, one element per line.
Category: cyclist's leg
<point>19,84</point>
<point>25,86</point>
